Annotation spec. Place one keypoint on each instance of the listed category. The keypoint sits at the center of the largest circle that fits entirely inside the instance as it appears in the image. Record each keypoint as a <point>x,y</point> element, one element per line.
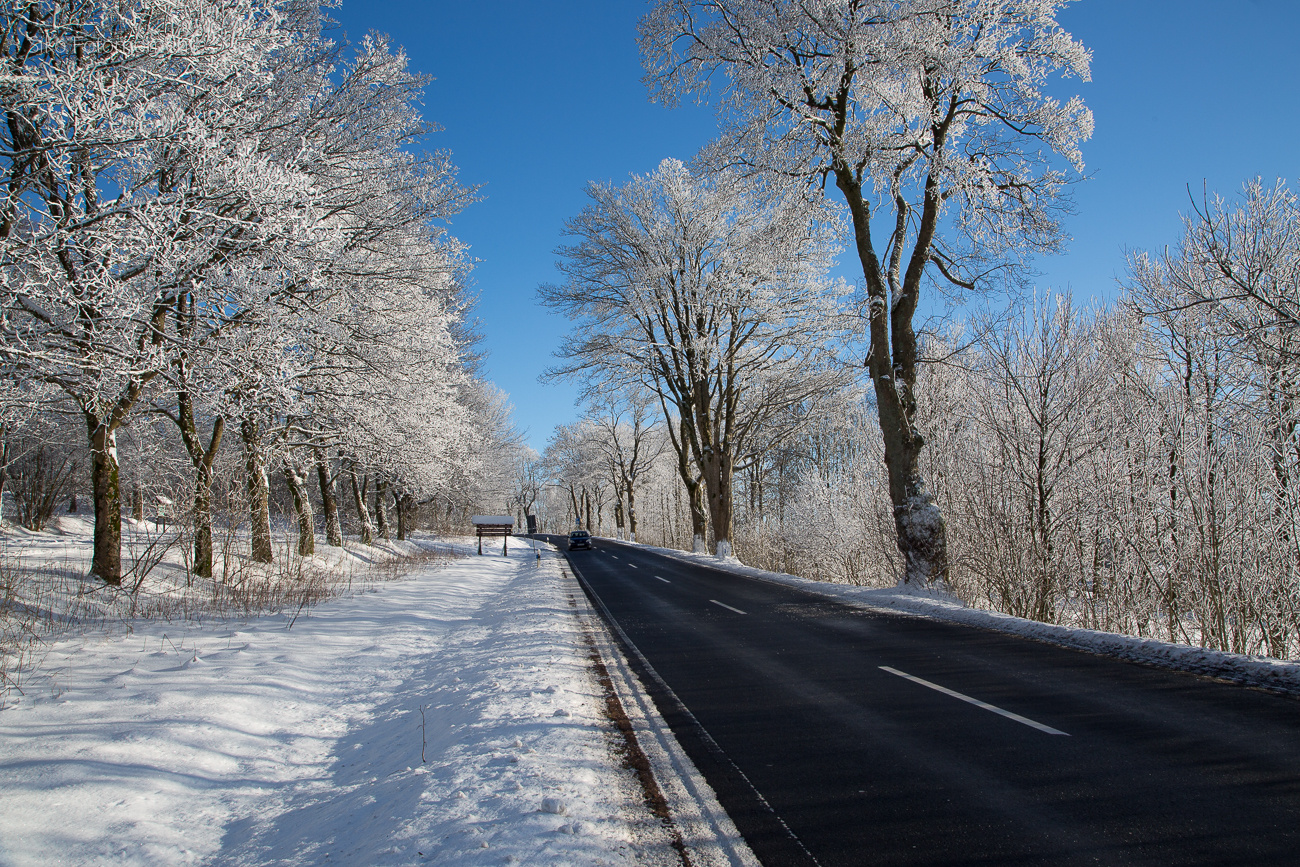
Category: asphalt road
<point>837,736</point>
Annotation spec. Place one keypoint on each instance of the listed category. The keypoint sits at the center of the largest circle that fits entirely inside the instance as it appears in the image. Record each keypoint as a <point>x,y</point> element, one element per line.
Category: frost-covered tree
<point>483,481</point>
<point>238,338</point>
<point>711,292</point>
<point>1220,311</point>
<point>630,440</point>
<point>1041,389</point>
<point>383,387</point>
<point>368,362</point>
<point>931,118</point>
<point>574,464</point>
<point>526,481</point>
<point>199,193</point>
<point>126,179</point>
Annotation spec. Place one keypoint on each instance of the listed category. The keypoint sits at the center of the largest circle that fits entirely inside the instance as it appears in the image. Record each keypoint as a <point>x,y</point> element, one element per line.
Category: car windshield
<point>578,534</point>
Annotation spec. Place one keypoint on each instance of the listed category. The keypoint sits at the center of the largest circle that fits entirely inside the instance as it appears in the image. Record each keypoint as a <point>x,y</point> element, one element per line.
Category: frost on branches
<point>931,121</point>
<point>203,202</point>
<point>711,291</point>
<point>126,179</point>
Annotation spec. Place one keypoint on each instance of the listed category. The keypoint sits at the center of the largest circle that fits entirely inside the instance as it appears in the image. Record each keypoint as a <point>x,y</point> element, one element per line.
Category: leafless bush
<point>39,601</point>
<point>145,551</point>
<point>398,567</point>
<point>18,638</point>
<point>40,480</point>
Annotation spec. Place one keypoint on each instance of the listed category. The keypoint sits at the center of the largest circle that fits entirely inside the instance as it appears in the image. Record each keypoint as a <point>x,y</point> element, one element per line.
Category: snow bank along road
<point>835,735</point>
<point>449,718</point>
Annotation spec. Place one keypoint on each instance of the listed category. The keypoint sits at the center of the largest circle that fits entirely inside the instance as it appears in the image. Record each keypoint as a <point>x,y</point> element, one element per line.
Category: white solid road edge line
<point>1006,713</point>
<point>728,607</point>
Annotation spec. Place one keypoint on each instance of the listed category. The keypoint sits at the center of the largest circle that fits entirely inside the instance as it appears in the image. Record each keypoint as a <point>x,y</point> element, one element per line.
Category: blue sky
<point>538,98</point>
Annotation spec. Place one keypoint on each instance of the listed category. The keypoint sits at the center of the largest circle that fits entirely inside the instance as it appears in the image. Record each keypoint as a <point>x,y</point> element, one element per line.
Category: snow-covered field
<point>450,717</point>
<point>1260,671</point>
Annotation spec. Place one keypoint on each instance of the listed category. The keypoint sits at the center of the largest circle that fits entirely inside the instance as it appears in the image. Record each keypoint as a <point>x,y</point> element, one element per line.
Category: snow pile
<point>1259,671</point>
<point>450,718</point>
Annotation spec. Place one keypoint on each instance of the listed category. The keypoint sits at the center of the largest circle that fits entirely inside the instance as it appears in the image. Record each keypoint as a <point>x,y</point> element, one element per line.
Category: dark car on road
<point>579,539</point>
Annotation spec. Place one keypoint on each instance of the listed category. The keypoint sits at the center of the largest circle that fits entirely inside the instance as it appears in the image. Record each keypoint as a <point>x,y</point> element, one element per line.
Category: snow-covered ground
<point>1260,671</point>
<point>451,717</point>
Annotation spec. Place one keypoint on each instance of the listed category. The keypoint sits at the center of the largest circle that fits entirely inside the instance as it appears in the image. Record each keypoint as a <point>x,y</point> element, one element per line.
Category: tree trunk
<point>297,481</point>
<point>4,466</point>
<point>381,507</point>
<point>718,484</point>
<point>693,484</point>
<point>401,503</point>
<point>137,502</point>
<point>202,521</point>
<point>631,512</point>
<point>258,486</point>
<point>577,510</point>
<point>918,522</point>
<point>699,515</point>
<point>367,529</point>
<point>329,501</point>
<point>105,482</point>
<point>202,459</point>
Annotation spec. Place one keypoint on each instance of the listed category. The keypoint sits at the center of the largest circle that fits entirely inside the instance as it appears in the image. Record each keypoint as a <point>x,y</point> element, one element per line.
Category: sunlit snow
<point>447,718</point>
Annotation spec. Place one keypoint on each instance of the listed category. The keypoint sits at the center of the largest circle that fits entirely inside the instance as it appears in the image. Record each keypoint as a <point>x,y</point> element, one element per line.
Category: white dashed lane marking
<point>950,692</point>
<point>728,607</point>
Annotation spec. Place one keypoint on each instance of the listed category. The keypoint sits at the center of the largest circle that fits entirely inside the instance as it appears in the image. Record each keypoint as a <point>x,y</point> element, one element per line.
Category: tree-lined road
<point>838,736</point>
